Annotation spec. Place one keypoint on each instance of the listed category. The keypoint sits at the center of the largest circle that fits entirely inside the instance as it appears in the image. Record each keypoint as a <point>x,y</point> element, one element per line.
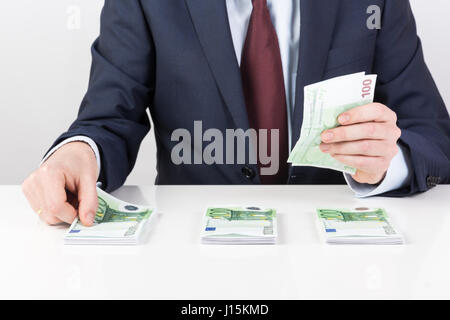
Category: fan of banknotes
<point>116,222</point>
<point>357,226</point>
<point>324,102</point>
<point>239,225</point>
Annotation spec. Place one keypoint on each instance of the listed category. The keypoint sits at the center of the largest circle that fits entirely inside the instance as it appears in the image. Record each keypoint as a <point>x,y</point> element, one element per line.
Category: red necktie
<point>263,84</point>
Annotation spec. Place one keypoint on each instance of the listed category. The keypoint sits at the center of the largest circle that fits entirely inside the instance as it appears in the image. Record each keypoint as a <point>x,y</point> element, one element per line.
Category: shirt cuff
<point>85,139</point>
<point>397,176</point>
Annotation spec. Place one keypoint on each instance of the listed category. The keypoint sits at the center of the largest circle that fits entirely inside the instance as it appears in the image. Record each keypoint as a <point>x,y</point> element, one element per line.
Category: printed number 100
<point>366,88</point>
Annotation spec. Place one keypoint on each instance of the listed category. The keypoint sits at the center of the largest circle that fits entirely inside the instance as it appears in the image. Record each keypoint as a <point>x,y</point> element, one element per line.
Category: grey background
<point>44,68</point>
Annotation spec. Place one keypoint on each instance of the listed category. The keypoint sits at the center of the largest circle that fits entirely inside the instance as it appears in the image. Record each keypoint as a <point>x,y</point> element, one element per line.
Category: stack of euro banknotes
<point>239,225</point>
<point>118,222</point>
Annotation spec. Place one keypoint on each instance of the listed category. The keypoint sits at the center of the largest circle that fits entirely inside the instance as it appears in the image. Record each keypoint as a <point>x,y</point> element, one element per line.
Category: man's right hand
<point>64,186</point>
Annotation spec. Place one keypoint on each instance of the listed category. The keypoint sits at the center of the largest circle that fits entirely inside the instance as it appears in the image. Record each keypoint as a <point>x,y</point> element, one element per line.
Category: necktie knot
<point>259,3</point>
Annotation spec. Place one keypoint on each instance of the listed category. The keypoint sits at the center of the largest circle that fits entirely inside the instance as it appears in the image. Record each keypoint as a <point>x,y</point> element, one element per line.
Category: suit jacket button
<point>433,181</point>
<point>248,172</point>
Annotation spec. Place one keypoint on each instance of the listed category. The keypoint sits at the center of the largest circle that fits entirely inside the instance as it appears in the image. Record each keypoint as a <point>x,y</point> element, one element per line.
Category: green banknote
<point>357,226</point>
<point>239,225</point>
<point>116,222</point>
<point>324,102</point>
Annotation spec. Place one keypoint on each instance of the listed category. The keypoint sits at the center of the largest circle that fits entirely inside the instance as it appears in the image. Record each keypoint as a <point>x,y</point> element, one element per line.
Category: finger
<point>54,191</point>
<point>361,147</point>
<point>31,193</point>
<point>373,165</point>
<point>27,190</point>
<point>361,131</point>
<point>371,112</point>
<point>57,206</point>
<point>40,201</point>
<point>67,213</point>
<point>87,199</point>
<point>50,219</point>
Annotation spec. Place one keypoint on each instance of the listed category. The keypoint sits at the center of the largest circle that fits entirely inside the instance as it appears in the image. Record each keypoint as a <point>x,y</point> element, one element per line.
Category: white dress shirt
<point>285,16</point>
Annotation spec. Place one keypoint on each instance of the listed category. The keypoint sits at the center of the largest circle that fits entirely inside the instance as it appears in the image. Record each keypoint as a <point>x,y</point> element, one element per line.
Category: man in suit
<point>243,64</point>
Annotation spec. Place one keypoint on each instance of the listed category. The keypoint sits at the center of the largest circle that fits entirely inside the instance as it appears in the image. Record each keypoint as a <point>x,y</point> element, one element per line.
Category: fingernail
<point>324,147</point>
<point>327,136</point>
<point>91,217</point>
<point>343,118</point>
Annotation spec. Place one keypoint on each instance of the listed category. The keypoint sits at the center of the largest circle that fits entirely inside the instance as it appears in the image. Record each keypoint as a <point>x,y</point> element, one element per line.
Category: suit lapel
<point>210,20</point>
<point>317,20</point>
<point>211,23</point>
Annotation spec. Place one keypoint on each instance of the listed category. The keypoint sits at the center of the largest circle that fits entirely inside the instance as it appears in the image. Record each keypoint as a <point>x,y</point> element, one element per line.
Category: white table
<point>173,264</point>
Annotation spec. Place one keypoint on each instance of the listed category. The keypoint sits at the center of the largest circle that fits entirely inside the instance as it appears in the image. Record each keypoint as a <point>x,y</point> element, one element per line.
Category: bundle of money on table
<point>116,222</point>
<point>357,226</point>
<point>239,225</point>
<point>323,103</point>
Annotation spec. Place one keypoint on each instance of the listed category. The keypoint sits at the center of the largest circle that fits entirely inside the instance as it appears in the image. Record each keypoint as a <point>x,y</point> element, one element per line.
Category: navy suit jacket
<point>176,58</point>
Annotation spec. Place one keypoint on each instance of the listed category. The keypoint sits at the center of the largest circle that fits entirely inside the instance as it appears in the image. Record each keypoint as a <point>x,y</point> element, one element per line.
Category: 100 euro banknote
<point>324,102</point>
<point>357,226</point>
<point>115,221</point>
<point>239,225</point>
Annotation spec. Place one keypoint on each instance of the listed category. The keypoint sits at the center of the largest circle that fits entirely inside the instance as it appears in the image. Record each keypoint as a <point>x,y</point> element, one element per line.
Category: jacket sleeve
<point>113,112</point>
<point>407,87</point>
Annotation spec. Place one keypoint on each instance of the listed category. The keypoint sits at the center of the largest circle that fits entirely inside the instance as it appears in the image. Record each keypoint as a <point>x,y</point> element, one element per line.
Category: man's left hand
<point>366,140</point>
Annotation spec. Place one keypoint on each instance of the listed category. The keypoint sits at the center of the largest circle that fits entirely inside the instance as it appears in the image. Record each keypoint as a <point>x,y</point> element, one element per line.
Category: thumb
<point>88,201</point>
